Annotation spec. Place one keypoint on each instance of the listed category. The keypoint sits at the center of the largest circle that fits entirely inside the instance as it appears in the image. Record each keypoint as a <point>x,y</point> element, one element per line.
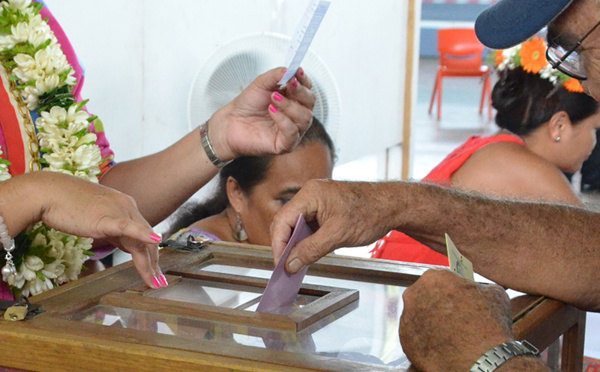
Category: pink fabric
<point>67,48</point>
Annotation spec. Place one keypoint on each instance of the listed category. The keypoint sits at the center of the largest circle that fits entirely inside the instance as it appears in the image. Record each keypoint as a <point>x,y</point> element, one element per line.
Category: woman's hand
<point>81,208</point>
<point>263,119</point>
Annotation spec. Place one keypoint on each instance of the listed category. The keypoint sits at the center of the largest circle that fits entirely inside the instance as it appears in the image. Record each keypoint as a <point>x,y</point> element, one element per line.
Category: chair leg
<point>435,88</point>
<point>483,92</point>
<point>439,99</point>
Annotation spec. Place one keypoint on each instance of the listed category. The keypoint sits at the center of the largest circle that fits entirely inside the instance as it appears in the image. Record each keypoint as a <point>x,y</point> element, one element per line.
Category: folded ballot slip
<point>282,288</point>
<point>458,263</point>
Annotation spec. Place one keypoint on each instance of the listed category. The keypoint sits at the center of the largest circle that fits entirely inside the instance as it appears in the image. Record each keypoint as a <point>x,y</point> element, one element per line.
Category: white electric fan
<point>237,63</point>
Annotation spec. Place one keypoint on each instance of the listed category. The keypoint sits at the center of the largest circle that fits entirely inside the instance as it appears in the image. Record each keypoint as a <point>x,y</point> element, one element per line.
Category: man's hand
<point>449,322</point>
<point>342,214</point>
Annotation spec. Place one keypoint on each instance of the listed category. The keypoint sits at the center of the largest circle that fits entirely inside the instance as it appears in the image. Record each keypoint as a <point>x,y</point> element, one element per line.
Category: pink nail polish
<point>285,70</point>
<point>155,237</point>
<point>272,108</point>
<point>277,97</point>
<point>155,282</point>
<point>163,280</point>
<point>295,83</point>
<point>301,71</point>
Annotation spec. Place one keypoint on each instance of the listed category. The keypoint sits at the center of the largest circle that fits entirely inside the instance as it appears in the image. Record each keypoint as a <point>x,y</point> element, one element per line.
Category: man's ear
<point>558,124</point>
<point>235,194</point>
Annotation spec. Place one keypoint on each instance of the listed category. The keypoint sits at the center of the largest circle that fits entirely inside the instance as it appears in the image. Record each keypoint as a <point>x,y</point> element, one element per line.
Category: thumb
<point>270,79</point>
<point>308,251</point>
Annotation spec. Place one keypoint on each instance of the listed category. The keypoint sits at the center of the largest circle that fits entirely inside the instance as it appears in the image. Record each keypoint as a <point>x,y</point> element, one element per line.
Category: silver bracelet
<point>209,149</point>
<point>502,353</point>
<point>9,245</point>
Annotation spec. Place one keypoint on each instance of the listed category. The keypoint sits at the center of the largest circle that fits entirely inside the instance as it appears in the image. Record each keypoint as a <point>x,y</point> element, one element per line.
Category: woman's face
<point>283,179</point>
<point>579,141</point>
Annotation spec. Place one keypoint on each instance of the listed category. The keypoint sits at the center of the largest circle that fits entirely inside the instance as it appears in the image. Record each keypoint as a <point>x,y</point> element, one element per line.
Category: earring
<point>239,233</point>
<point>557,138</point>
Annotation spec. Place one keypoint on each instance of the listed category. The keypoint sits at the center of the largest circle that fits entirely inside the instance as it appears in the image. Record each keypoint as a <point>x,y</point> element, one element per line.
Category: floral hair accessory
<point>531,57</point>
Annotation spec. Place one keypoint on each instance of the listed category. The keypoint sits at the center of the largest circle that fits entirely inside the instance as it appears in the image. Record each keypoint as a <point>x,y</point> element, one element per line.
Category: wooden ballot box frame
<point>58,339</point>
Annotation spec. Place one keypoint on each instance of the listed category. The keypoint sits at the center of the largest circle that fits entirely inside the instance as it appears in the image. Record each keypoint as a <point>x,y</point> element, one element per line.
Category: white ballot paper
<point>303,36</point>
<point>458,263</point>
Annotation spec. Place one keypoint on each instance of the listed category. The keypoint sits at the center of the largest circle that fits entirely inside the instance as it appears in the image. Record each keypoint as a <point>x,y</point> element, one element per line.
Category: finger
<point>281,231</point>
<point>303,78</point>
<point>296,111</point>
<point>270,79</point>
<point>143,264</point>
<point>300,94</point>
<point>310,250</point>
<point>117,227</point>
<point>154,257</point>
<point>288,133</point>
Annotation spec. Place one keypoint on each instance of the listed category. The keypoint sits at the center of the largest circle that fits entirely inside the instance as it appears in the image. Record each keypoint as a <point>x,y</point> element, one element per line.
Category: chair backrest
<point>459,48</point>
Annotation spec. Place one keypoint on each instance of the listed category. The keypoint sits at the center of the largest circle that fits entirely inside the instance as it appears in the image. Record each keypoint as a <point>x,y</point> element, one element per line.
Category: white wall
<point>141,56</point>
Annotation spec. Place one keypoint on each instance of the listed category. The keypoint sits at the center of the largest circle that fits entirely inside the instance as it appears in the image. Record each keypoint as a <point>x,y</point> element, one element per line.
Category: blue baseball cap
<point>509,22</point>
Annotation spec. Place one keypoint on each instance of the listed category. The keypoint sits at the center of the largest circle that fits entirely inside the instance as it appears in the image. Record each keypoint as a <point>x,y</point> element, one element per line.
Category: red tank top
<point>400,247</point>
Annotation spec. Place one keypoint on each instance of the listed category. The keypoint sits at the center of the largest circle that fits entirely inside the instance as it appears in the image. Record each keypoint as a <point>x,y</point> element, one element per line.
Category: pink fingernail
<point>285,70</point>
<point>295,83</point>
<point>301,71</point>
<point>155,282</point>
<point>272,108</point>
<point>155,237</point>
<point>163,280</point>
<point>277,97</point>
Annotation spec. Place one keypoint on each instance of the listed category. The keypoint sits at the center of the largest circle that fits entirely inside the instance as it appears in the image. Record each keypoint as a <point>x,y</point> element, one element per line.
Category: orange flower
<point>532,55</point>
<point>498,58</point>
<point>573,85</point>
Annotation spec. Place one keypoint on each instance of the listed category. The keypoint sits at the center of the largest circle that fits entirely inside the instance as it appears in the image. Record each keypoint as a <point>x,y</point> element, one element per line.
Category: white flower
<point>20,5</point>
<point>63,134</point>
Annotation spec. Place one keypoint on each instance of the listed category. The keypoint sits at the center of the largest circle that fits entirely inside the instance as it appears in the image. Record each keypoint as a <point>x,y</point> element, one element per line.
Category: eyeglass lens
<point>570,66</point>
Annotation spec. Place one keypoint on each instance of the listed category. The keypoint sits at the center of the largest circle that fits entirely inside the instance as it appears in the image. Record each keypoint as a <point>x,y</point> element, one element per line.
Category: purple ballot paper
<point>283,288</point>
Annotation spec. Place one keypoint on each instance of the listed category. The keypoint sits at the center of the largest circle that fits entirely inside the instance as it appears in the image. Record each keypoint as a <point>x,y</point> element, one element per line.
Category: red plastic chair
<point>460,56</point>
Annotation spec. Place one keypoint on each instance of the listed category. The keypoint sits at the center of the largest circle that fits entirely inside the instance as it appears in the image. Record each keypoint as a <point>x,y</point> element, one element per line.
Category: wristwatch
<point>503,353</point>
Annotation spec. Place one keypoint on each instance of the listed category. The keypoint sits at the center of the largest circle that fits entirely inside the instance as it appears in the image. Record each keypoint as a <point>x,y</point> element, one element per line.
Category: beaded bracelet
<point>9,245</point>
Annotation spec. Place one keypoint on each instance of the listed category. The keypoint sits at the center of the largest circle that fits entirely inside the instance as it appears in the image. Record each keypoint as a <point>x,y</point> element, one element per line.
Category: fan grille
<point>237,63</point>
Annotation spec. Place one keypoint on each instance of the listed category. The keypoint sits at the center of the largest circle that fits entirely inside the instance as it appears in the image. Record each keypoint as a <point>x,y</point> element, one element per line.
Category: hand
<point>342,214</point>
<point>82,208</point>
<point>263,119</point>
<point>449,322</point>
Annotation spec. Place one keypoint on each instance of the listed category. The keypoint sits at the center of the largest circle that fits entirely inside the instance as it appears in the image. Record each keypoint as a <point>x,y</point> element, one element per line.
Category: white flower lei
<point>35,62</point>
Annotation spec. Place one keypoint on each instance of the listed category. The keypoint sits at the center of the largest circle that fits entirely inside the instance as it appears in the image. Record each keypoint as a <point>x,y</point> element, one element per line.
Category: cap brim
<point>510,22</point>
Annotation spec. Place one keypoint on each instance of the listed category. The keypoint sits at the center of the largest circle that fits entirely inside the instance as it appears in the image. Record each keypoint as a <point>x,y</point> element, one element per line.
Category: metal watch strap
<point>503,353</point>
<point>208,147</point>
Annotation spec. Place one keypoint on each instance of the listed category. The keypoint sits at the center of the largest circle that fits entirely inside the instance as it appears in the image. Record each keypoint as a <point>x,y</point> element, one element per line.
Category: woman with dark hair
<point>252,189</point>
<point>548,126</point>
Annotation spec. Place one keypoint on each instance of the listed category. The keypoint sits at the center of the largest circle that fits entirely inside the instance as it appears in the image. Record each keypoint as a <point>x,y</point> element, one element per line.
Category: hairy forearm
<point>536,248</point>
<point>161,182</point>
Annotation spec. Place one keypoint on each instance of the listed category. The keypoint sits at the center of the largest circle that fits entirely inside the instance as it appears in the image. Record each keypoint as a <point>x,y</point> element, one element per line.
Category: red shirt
<point>400,247</point>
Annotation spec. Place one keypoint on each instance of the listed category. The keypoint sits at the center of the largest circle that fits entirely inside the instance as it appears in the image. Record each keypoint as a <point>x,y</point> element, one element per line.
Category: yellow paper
<point>458,263</point>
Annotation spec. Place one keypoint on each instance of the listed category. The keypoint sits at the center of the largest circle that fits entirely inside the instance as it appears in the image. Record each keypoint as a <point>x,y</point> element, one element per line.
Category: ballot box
<point>345,317</point>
